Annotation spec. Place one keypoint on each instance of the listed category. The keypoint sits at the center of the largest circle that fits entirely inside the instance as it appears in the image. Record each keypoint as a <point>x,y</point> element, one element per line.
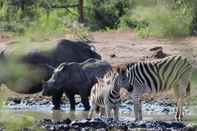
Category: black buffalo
<point>65,51</point>
<point>75,78</point>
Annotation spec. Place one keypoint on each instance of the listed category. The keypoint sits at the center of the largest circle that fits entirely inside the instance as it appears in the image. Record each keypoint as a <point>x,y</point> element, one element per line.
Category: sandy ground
<point>127,47</point>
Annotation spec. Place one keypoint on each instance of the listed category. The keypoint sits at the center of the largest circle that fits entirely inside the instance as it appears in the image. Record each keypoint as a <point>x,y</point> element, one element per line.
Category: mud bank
<point>104,124</point>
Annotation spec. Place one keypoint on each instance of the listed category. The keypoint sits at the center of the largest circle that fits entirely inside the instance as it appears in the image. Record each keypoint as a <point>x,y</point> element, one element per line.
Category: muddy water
<point>152,110</point>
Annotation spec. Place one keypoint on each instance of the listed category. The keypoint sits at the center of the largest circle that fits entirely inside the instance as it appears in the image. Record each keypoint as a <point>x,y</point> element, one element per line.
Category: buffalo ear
<point>92,47</point>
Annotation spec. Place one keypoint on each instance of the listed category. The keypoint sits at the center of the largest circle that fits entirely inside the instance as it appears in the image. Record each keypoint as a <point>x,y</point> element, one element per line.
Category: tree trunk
<point>81,11</point>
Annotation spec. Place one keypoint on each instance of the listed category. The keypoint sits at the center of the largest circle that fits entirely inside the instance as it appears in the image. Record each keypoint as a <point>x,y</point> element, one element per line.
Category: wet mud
<point>40,103</point>
<point>104,124</point>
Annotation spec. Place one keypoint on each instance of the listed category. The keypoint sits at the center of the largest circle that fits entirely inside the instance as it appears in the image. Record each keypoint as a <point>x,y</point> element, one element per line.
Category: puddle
<point>152,110</point>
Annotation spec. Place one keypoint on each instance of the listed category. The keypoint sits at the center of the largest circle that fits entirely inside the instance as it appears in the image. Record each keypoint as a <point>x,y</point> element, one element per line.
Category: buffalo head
<point>56,80</point>
<point>64,75</point>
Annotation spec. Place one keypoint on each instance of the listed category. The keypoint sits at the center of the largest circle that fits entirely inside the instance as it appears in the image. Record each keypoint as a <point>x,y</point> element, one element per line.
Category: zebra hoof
<point>180,118</point>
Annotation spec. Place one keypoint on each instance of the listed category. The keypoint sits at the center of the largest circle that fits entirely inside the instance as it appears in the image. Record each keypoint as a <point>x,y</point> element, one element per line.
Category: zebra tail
<point>188,89</point>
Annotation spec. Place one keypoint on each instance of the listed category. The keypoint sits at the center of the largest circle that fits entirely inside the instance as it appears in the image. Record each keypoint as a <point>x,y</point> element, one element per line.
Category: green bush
<point>163,21</point>
<point>163,18</point>
<point>106,13</point>
<point>129,22</point>
<point>12,122</point>
<point>46,25</point>
<point>36,20</point>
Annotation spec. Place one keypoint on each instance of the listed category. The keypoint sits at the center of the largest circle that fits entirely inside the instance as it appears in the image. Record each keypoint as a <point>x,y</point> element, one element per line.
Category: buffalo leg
<point>56,100</point>
<point>71,98</point>
<point>85,102</point>
<point>72,102</point>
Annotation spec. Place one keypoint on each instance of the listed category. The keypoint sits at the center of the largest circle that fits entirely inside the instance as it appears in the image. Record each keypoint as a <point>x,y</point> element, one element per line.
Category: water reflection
<point>60,115</point>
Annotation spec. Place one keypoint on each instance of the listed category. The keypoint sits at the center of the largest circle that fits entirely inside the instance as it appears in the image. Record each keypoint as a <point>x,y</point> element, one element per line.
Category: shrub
<point>163,21</point>
<point>106,13</point>
<point>12,122</point>
<point>46,25</point>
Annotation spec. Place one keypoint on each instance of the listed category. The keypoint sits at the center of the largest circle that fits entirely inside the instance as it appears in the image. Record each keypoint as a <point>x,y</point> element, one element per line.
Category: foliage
<point>12,122</point>
<point>46,25</point>
<point>106,13</point>
<point>163,20</point>
<point>39,20</point>
<point>36,20</point>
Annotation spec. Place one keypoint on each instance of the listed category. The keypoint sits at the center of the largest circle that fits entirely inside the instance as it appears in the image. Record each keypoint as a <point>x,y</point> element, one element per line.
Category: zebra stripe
<point>157,76</point>
<point>106,94</point>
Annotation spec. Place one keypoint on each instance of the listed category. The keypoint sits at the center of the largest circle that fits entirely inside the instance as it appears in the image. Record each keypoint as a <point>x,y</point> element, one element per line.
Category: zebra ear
<point>118,69</point>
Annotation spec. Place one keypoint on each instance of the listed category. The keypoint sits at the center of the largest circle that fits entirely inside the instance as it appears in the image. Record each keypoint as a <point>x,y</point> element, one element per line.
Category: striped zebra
<point>106,94</point>
<point>148,77</point>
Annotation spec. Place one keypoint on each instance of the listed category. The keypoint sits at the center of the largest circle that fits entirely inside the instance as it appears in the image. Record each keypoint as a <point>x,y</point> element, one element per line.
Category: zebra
<point>106,94</point>
<point>173,72</point>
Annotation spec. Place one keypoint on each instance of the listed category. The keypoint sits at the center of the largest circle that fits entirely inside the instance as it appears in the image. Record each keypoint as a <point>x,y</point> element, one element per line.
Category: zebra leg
<point>102,112</point>
<point>182,93</point>
<point>137,110</point>
<point>177,110</point>
<point>181,109</point>
<point>92,109</point>
<point>140,111</point>
<point>179,113</point>
<point>116,113</point>
<point>107,110</point>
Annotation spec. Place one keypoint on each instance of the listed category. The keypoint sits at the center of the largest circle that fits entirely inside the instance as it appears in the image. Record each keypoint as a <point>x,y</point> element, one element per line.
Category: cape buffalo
<point>75,78</point>
<point>65,51</point>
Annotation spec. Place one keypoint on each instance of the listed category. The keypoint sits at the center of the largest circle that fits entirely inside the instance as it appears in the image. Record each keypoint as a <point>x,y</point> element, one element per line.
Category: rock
<point>15,100</point>
<point>67,121</point>
<point>112,55</point>
<point>158,52</point>
<point>98,123</point>
<point>109,123</point>
<point>82,123</point>
<point>166,110</point>
<point>177,125</point>
<point>190,128</point>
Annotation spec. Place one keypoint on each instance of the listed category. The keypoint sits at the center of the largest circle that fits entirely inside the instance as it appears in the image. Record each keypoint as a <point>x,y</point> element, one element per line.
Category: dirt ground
<point>125,47</point>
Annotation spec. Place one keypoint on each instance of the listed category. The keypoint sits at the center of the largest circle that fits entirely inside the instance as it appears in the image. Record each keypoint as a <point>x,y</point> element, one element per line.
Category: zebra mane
<point>129,65</point>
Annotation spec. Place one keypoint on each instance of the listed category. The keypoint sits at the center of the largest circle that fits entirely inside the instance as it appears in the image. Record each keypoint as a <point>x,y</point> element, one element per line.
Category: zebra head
<point>110,78</point>
<point>123,77</point>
